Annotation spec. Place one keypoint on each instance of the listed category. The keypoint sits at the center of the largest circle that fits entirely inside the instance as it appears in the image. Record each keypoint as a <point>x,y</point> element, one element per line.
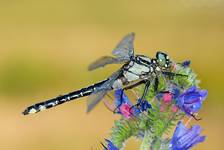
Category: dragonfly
<point>136,70</point>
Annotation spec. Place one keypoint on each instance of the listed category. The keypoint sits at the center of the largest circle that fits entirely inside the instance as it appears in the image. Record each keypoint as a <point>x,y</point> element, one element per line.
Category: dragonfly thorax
<point>142,67</point>
<point>138,68</point>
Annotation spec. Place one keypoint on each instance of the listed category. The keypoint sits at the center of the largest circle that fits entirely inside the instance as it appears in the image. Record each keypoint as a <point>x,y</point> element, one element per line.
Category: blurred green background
<point>46,46</point>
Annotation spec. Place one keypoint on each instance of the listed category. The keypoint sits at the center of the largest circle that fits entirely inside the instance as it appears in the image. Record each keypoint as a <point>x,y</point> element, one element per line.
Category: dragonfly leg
<point>147,85</point>
<point>171,74</point>
<point>134,85</point>
<point>156,84</point>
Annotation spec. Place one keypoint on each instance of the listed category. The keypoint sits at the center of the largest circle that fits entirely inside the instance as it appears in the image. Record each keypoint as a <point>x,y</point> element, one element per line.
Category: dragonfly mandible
<point>136,70</point>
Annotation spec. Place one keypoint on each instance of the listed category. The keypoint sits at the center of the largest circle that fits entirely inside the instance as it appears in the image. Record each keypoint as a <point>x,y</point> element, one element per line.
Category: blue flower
<point>191,100</point>
<point>121,97</point>
<point>110,145</point>
<point>184,138</point>
<point>186,63</point>
<point>176,92</point>
<point>144,105</point>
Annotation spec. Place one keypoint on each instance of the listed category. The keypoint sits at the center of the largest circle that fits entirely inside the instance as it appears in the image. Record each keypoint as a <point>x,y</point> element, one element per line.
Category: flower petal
<point>110,145</point>
<point>184,138</point>
<point>180,129</point>
<point>192,108</point>
<point>191,89</point>
<point>204,94</point>
<point>121,97</point>
<point>191,100</point>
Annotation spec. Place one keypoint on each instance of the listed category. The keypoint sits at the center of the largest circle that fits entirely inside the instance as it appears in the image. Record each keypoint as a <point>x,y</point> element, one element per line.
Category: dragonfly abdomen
<point>62,99</point>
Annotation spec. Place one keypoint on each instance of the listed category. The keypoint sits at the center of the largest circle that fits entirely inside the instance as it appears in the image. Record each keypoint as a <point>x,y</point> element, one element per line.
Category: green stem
<point>146,142</point>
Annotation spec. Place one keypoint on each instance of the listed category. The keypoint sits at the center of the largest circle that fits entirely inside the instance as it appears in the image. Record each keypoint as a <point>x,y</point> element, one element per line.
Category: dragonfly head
<point>163,60</point>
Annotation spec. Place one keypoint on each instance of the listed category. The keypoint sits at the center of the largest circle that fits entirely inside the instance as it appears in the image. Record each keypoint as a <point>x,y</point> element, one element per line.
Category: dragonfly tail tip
<point>25,112</point>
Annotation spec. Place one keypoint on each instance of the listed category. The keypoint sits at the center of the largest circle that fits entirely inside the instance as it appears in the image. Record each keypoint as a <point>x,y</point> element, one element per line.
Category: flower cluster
<point>125,106</point>
<point>153,118</point>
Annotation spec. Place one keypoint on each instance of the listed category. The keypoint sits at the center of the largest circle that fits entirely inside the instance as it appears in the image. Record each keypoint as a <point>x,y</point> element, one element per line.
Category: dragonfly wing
<point>101,91</point>
<point>94,99</point>
<point>103,61</point>
<point>123,52</point>
<point>125,49</point>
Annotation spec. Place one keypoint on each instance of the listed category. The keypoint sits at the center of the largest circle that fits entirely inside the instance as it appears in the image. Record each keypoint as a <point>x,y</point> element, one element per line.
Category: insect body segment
<point>62,99</point>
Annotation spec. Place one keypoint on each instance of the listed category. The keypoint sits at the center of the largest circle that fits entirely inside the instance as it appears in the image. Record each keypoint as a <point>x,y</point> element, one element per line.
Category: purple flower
<point>110,145</point>
<point>191,100</point>
<point>184,138</point>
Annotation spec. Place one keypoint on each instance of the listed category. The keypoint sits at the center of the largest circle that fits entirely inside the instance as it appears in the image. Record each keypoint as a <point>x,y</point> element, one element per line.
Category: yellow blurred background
<point>46,46</point>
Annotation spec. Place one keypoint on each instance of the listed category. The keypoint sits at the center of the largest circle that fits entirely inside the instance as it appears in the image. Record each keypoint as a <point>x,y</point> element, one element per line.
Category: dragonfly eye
<point>163,59</point>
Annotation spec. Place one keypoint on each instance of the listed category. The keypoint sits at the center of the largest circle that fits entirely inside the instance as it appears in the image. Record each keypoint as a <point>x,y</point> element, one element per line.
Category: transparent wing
<point>94,99</point>
<point>103,61</point>
<point>101,91</point>
<point>125,49</point>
